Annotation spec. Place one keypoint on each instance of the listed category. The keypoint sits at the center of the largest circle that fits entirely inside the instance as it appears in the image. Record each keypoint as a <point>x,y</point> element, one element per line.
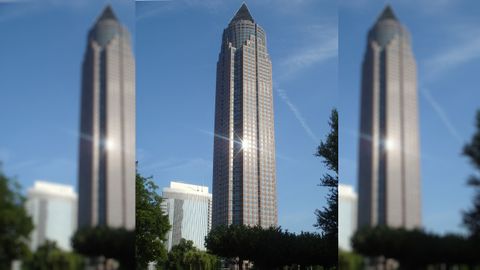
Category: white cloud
<point>321,45</point>
<point>464,51</point>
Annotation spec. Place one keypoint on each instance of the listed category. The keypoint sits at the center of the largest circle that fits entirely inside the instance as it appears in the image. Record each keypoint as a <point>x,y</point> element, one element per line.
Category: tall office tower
<point>389,158</point>
<point>189,210</point>
<point>53,208</point>
<point>244,184</point>
<point>347,215</point>
<point>106,176</point>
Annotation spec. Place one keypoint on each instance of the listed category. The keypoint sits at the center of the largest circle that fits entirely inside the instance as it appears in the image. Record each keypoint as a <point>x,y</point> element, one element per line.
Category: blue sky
<point>446,43</point>
<point>177,49</point>
<point>42,50</point>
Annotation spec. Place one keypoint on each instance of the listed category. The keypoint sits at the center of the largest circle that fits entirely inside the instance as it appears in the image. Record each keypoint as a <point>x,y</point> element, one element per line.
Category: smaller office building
<point>189,210</point>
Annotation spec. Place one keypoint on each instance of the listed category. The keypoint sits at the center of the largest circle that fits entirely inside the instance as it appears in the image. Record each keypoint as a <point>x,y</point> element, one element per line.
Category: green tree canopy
<point>186,256</point>
<point>15,224</point>
<point>152,224</point>
<point>49,257</point>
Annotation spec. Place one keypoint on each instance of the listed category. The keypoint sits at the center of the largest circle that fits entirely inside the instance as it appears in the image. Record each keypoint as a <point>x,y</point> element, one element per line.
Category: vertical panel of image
<point>389,178</point>
<point>107,141</point>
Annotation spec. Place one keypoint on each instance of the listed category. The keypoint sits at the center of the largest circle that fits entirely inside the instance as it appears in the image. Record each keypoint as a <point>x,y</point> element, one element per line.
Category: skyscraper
<point>106,176</point>
<point>53,208</point>
<point>189,210</point>
<point>244,181</point>
<point>389,158</point>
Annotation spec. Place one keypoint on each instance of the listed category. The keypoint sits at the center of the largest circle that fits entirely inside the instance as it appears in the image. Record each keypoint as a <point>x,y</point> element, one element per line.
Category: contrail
<point>297,114</point>
<point>441,113</point>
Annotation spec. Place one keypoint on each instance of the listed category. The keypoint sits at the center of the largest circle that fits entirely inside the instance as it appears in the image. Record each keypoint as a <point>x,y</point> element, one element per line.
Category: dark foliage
<point>111,243</point>
<point>15,224</point>
<point>272,247</point>
<point>471,217</point>
<point>416,248</point>
<point>327,218</point>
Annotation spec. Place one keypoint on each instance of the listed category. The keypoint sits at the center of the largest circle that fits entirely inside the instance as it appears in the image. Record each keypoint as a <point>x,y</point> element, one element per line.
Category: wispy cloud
<point>173,164</point>
<point>56,169</point>
<point>465,50</point>
<point>321,46</point>
<point>283,95</point>
<point>441,114</point>
<point>151,8</point>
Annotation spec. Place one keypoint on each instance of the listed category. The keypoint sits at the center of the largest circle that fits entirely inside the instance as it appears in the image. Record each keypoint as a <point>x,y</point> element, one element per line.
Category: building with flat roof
<point>347,215</point>
<point>53,208</point>
<point>189,210</point>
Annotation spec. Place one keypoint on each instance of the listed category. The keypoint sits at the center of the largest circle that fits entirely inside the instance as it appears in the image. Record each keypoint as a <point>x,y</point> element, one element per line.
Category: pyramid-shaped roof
<point>387,14</point>
<point>107,14</point>
<point>242,14</point>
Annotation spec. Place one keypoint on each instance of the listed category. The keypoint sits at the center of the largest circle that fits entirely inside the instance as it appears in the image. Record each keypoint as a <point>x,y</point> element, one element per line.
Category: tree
<point>271,248</point>
<point>15,224</point>
<point>111,243</point>
<point>416,249</point>
<point>350,261</point>
<point>186,256</point>
<point>328,151</point>
<point>471,217</point>
<point>49,257</point>
<point>152,224</point>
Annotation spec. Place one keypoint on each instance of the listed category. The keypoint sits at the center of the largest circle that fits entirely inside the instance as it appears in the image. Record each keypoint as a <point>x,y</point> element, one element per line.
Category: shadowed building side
<point>389,155</point>
<point>106,176</point>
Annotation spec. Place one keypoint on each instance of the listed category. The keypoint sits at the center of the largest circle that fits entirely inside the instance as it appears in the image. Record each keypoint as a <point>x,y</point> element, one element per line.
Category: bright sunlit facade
<point>189,210</point>
<point>53,208</point>
<point>347,215</point>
